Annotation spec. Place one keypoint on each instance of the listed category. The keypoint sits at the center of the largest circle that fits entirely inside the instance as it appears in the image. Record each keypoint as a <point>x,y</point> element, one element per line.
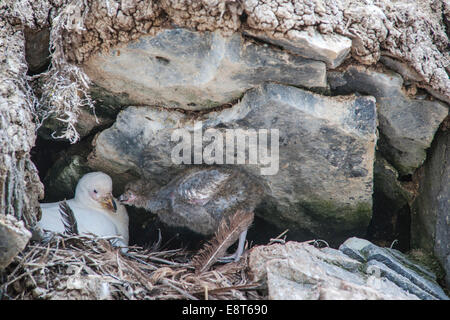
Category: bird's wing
<point>199,187</point>
<point>68,218</point>
<point>51,218</point>
<point>89,220</point>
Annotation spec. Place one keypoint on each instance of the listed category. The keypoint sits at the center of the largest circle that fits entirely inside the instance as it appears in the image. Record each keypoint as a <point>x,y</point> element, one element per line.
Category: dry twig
<point>79,267</point>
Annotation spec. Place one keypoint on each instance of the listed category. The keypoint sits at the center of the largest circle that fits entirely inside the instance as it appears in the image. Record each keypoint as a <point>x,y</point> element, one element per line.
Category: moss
<point>314,219</point>
<point>347,216</point>
<point>428,260</point>
<point>210,104</point>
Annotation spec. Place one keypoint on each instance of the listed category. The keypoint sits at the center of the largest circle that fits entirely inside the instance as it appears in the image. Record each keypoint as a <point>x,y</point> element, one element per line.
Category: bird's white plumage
<point>90,214</point>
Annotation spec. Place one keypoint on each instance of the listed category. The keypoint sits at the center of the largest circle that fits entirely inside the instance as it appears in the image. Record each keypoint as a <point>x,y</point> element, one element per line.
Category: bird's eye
<point>95,191</point>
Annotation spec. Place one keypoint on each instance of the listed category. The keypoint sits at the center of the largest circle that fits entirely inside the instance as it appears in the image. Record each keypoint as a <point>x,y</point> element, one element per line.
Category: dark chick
<point>199,199</point>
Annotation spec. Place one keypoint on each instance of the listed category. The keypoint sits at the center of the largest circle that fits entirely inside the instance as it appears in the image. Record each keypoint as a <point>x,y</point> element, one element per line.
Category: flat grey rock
<point>402,68</point>
<point>407,271</point>
<point>13,238</point>
<point>178,68</point>
<point>395,266</point>
<point>299,271</point>
<point>381,270</point>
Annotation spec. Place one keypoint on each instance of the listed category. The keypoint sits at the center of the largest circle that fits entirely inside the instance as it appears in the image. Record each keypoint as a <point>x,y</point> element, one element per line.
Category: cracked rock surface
<point>20,187</point>
<point>193,71</point>
<point>13,238</point>
<point>407,125</point>
<point>359,270</point>
<point>431,209</point>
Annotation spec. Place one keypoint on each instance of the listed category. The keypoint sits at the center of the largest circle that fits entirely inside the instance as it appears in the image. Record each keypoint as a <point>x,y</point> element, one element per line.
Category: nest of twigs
<point>78,267</point>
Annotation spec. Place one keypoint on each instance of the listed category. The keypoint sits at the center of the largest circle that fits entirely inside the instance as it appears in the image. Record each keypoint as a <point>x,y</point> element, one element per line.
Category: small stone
<point>37,53</point>
<point>13,238</point>
<point>38,293</point>
<point>401,68</point>
<point>352,247</point>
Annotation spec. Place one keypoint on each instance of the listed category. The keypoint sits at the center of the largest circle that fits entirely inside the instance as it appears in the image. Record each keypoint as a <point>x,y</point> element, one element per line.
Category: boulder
<point>321,180</point>
<point>178,68</point>
<point>430,221</point>
<point>396,267</point>
<point>300,271</point>
<point>359,270</point>
<point>407,126</point>
<point>13,238</point>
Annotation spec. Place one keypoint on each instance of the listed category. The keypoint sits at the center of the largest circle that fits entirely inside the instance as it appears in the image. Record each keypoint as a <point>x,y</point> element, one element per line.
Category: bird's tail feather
<point>227,234</point>
<point>68,219</point>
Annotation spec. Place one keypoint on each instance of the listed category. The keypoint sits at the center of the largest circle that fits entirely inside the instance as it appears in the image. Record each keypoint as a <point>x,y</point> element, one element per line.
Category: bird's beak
<point>123,198</point>
<point>126,197</point>
<point>109,203</point>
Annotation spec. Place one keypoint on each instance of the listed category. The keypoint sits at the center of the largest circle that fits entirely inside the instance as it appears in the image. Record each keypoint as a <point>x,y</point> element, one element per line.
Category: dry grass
<point>64,91</point>
<point>84,268</point>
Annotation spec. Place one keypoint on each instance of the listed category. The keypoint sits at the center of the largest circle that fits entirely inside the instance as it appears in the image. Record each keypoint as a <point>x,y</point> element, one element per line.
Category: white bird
<point>95,209</point>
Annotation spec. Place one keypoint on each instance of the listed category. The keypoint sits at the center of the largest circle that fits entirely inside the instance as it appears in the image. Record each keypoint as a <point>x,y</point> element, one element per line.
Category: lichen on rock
<point>408,31</point>
<point>20,187</point>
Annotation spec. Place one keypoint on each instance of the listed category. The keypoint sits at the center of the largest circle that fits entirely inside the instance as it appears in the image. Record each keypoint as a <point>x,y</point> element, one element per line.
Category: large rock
<point>430,228</point>
<point>359,270</point>
<point>299,271</point>
<point>13,238</point>
<point>396,267</point>
<point>191,70</point>
<point>407,125</point>
<point>326,154</point>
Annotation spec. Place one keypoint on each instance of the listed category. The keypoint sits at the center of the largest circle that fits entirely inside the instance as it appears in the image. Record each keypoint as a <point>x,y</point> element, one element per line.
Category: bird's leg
<point>118,242</point>
<point>238,253</point>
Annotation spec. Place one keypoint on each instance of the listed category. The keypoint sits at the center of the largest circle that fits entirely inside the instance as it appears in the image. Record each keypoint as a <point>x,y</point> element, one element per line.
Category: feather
<point>227,234</point>
<point>68,219</point>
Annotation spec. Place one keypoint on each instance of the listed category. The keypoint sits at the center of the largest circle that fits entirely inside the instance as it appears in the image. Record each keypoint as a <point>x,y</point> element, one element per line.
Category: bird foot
<point>233,258</point>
